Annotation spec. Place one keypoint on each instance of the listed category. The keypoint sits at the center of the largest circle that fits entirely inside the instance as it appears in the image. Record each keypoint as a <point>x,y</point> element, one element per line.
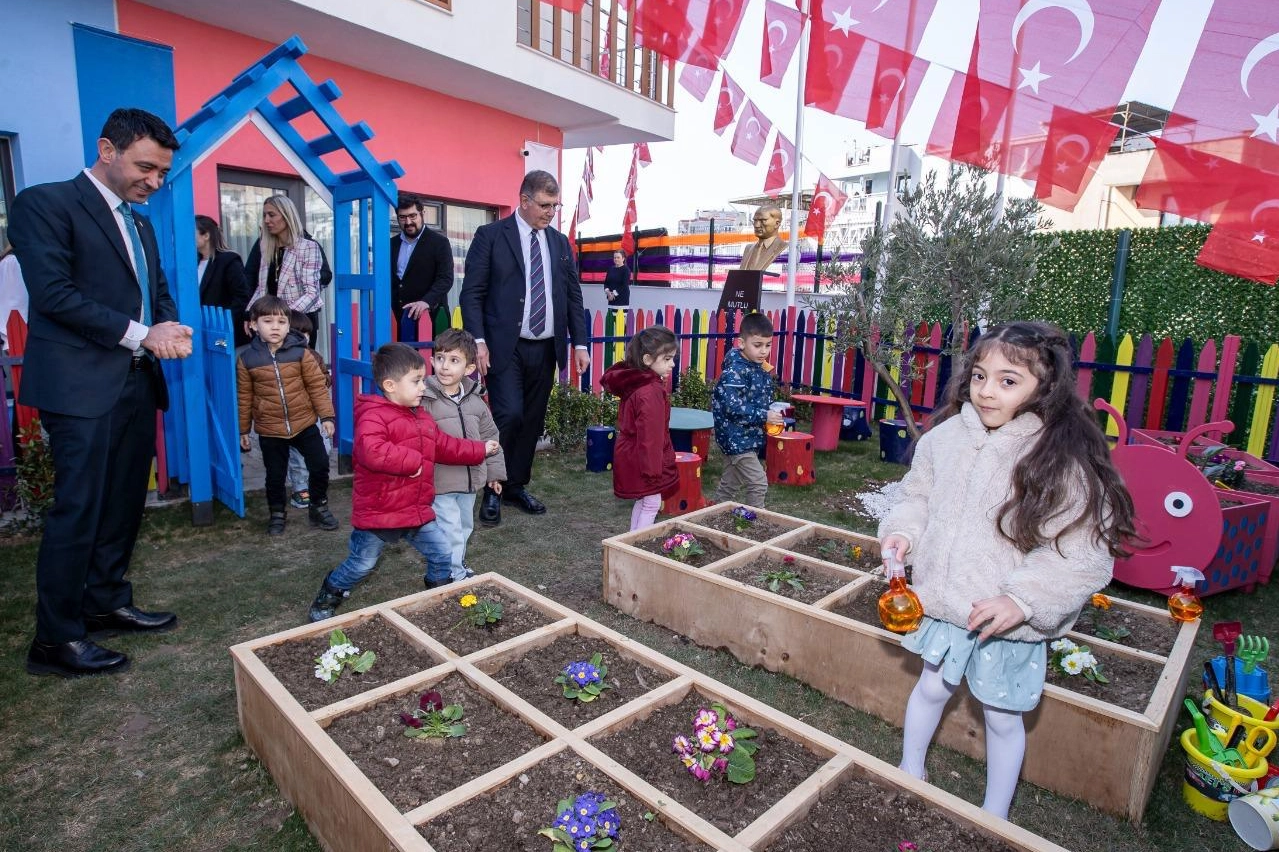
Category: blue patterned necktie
<point>139,260</point>
<point>537,288</point>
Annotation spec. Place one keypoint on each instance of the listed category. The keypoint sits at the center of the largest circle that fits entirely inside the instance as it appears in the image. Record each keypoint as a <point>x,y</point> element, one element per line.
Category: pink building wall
<point>449,148</point>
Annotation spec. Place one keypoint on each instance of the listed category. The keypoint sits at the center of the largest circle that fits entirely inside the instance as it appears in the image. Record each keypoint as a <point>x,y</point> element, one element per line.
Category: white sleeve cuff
<point>133,337</point>
<point>1025,609</point>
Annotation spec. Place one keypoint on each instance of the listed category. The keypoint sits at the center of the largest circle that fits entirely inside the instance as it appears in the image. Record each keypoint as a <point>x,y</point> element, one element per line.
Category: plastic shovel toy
<point>1257,745</point>
<point>1253,650</point>
<point>1208,742</point>
<point>1226,632</point>
<point>1210,679</point>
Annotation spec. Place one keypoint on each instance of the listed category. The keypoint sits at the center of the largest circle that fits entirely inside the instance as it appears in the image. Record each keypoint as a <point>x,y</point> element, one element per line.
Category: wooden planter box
<point>865,666</point>
<point>345,811</point>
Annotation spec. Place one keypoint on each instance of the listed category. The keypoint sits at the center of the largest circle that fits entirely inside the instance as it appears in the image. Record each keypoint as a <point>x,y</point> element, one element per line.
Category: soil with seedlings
<point>840,552</point>
<point>1152,633</point>
<point>446,620</point>
<point>762,529</point>
<point>816,584</point>
<point>293,663</point>
<point>713,552</point>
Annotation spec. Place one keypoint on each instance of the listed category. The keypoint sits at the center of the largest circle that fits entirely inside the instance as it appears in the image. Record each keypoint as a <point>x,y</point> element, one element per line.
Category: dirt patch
<point>840,551</point>
<point>445,620</point>
<point>1258,488</point>
<point>762,529</point>
<point>863,606</point>
<point>879,818</point>
<point>1149,632</point>
<point>293,663</point>
<point>645,748</point>
<point>509,817</point>
<point>816,584</point>
<point>713,552</point>
<point>532,677</point>
<point>1132,681</point>
<point>410,771</point>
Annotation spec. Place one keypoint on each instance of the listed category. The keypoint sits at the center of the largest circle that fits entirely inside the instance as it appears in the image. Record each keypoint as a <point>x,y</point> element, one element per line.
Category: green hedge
<point>1166,293</point>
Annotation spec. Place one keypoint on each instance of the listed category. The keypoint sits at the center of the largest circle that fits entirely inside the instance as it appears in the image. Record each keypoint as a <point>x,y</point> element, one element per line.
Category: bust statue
<point>768,219</point>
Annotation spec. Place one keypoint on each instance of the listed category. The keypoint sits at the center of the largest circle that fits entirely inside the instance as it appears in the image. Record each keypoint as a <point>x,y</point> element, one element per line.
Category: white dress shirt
<point>136,332</point>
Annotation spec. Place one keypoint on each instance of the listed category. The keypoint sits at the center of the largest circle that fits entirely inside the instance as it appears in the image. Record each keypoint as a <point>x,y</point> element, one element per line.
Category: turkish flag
<point>1232,84</point>
<point>628,227</point>
<point>751,135</point>
<point>782,28</point>
<point>697,80</point>
<point>898,24</point>
<point>1185,181</point>
<point>828,199</point>
<point>969,117</point>
<point>642,154</point>
<point>573,6</point>
<point>1246,258</point>
<point>1075,147</point>
<point>780,166</point>
<point>1245,238</point>
<point>583,211</point>
<point>730,98</point>
<point>698,32</point>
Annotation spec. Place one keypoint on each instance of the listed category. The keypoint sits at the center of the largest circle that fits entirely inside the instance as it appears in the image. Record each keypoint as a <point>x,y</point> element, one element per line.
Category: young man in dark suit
<point>101,315</point>
<point>421,264</point>
<point>522,300</point>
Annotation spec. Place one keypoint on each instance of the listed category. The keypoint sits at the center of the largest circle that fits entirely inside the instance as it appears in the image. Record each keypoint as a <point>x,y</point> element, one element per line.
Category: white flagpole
<point>792,251</point>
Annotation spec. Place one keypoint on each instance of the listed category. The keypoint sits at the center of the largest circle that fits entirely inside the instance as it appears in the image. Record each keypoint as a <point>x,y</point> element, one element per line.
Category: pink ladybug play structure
<point>1182,520</point>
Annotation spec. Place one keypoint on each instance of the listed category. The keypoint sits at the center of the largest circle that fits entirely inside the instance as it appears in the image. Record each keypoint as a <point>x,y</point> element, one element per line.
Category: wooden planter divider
<point>345,811</point>
<point>866,667</point>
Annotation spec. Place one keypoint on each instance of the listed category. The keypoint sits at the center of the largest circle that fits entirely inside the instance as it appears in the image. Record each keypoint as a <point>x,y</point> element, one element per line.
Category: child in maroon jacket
<point>643,459</point>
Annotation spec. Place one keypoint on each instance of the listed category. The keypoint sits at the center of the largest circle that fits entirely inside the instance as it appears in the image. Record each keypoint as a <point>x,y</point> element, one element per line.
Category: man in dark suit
<point>522,301</point>
<point>101,315</point>
<point>421,264</point>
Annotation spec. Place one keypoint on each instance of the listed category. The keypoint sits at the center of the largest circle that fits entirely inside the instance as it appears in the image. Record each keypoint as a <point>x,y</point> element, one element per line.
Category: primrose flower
<point>607,823</point>
<point>1072,664</point>
<point>1240,465</point>
<point>681,745</point>
<point>705,739</point>
<point>705,718</point>
<point>468,601</point>
<point>907,846</point>
<point>726,743</point>
<point>699,773</point>
<point>1064,645</point>
<point>1100,601</point>
<point>857,551</point>
<point>585,807</point>
<point>688,760</point>
<point>583,844</point>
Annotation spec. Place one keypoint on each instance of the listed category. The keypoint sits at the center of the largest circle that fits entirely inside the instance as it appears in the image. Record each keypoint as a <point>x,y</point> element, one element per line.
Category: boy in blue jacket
<point>740,406</point>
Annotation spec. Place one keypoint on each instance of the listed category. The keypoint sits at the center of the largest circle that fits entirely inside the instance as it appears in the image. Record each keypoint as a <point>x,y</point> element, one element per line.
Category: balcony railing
<point>600,39</point>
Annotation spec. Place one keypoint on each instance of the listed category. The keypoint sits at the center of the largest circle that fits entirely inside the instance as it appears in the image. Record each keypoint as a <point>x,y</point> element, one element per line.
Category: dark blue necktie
<point>139,260</point>
<point>537,288</point>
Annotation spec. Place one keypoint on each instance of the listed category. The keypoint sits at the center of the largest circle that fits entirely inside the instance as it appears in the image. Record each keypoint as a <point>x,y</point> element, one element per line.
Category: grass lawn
<point>153,759</point>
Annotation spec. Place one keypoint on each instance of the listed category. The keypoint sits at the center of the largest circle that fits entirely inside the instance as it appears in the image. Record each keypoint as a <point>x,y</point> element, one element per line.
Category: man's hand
<point>582,359</point>
<point>416,309</point>
<point>496,486</point>
<point>244,443</point>
<point>482,357</point>
<point>999,614</point>
<point>491,448</point>
<point>329,427</point>
<point>168,340</point>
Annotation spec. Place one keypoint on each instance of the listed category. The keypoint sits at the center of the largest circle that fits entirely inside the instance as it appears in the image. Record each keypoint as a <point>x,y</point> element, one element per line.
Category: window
<point>241,194</point>
<point>6,188</point>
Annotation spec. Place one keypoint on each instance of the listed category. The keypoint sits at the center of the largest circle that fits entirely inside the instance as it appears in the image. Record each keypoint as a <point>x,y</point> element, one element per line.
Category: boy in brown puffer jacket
<point>284,396</point>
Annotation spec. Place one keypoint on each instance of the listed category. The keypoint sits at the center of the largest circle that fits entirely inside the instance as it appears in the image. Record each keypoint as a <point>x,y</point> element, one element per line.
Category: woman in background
<point>221,274</point>
<point>289,263</point>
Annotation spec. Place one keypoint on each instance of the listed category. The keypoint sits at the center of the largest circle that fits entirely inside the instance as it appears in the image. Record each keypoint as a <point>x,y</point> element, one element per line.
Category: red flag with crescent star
<point>968,120</point>
<point>629,218</point>
<point>697,80</point>
<point>1244,240</point>
<point>1232,86</point>
<point>698,32</point>
<point>643,155</point>
<point>751,135</point>
<point>1185,181</point>
<point>730,98</point>
<point>1074,148</point>
<point>782,28</point>
<point>573,6</point>
<point>828,200</point>
<point>780,166</point>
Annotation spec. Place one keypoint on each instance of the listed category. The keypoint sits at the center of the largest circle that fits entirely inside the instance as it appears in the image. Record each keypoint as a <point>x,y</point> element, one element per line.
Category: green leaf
<point>337,637</point>
<point>744,734</point>
<point>597,659</point>
<point>593,689</point>
<point>741,767</point>
<point>560,807</point>
<point>364,662</point>
<point>607,804</point>
<point>452,712</point>
<point>586,697</point>
<point>456,730</point>
<point>602,843</point>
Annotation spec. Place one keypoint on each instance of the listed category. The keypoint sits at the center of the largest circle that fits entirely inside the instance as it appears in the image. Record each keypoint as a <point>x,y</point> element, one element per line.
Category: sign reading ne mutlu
<point>741,291</point>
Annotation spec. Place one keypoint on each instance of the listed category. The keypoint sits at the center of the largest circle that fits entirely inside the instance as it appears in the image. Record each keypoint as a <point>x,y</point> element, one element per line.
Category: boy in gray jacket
<point>454,402</point>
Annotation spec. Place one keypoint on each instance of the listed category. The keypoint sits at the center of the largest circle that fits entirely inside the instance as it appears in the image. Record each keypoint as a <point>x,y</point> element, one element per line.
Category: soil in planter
<point>410,771</point>
<point>645,748</point>
<point>1149,633</point>
<point>509,817</point>
<point>839,551</point>
<point>293,663</point>
<point>444,621</point>
<point>713,553</point>
<point>532,677</point>
<point>1132,681</point>
<point>817,584</point>
<point>762,530</point>
<point>1258,488</point>
<point>864,605</point>
<point>880,819</point>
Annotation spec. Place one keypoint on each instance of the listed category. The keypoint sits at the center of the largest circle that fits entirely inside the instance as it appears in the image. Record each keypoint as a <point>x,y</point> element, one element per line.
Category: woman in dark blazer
<point>221,272</point>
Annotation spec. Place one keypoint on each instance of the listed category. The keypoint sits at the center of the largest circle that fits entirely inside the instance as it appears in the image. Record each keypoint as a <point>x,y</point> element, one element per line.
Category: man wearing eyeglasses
<point>522,300</point>
<point>422,271</point>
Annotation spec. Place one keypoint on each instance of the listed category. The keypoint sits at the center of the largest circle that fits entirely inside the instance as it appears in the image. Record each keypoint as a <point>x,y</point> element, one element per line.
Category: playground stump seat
<point>789,459</point>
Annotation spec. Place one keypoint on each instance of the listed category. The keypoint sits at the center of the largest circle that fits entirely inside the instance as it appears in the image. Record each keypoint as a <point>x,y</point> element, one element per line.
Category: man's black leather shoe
<point>490,509</point>
<point>525,501</point>
<point>130,619</point>
<point>74,659</point>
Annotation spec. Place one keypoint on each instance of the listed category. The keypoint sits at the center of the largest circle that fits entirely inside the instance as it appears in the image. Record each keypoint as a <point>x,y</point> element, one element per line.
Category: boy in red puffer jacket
<point>396,447</point>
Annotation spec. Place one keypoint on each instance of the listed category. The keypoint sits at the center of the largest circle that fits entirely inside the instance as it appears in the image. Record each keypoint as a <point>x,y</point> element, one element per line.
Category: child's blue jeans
<point>455,515</point>
<point>428,539</point>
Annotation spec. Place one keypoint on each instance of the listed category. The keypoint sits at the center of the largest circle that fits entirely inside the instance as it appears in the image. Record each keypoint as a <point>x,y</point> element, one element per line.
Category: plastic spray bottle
<point>1184,604</point>
<point>899,607</point>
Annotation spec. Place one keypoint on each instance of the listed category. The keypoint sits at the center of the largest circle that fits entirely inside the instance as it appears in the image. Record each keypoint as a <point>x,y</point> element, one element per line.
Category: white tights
<point>645,511</point>
<point>1005,739</point>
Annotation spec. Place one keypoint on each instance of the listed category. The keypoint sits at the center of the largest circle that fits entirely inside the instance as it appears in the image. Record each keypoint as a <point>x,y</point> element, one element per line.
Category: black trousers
<point>102,466</point>
<point>518,394</point>
<point>275,458</point>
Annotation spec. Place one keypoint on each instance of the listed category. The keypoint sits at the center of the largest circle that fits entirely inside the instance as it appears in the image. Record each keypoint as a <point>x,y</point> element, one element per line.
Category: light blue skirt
<point>1001,673</point>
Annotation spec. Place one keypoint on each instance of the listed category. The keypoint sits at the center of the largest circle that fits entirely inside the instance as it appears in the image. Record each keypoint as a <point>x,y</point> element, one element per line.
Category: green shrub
<point>570,411</point>
<point>34,487</point>
<point>692,392</point>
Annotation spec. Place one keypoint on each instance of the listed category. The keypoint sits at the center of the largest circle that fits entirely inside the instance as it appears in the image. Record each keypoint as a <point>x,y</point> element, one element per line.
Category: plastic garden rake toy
<point>1252,650</point>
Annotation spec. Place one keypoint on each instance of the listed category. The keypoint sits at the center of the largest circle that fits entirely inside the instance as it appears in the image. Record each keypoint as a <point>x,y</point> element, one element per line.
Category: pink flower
<point>1240,465</point>
<point>700,773</point>
<point>731,724</point>
<point>720,764</point>
<point>681,745</point>
<point>726,744</point>
<point>907,846</point>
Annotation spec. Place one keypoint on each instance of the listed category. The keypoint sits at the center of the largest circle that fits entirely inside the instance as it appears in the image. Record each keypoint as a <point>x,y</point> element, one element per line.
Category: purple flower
<point>431,701</point>
<point>411,721</point>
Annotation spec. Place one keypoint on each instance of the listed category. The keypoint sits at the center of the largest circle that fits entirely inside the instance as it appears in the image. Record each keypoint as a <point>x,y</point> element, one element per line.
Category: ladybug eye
<point>1178,504</point>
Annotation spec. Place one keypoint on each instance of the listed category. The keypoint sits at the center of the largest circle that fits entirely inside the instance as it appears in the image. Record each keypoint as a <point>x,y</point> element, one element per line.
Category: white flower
<point>1063,645</point>
<point>1072,664</point>
<point>1087,660</point>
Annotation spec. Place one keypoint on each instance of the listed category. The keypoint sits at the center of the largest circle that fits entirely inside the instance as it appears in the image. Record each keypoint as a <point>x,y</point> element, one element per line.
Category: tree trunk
<point>903,402</point>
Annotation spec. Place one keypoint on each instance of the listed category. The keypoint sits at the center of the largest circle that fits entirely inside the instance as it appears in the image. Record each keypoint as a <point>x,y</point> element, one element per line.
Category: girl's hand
<point>999,614</point>
<point>496,486</point>
<point>900,542</point>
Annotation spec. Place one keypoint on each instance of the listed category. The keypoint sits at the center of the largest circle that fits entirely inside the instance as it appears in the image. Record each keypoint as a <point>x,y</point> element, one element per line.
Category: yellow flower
<point>468,600</point>
<point>857,551</point>
<point>1100,601</point>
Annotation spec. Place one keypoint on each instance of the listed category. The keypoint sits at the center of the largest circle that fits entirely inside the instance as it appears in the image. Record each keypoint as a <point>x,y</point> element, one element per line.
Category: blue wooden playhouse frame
<point>201,427</point>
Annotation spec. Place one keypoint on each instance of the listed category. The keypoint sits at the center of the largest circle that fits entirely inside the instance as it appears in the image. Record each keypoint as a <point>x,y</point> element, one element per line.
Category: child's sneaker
<point>327,601</point>
<point>301,499</point>
<point>275,526</point>
<point>321,517</point>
